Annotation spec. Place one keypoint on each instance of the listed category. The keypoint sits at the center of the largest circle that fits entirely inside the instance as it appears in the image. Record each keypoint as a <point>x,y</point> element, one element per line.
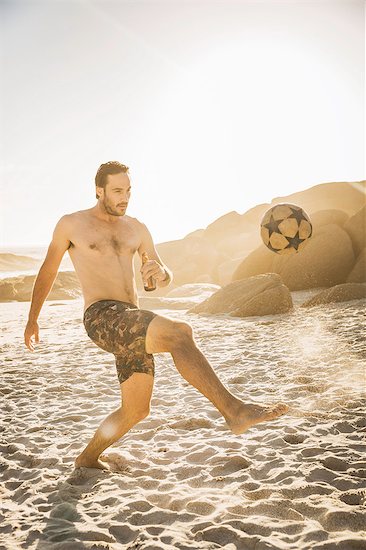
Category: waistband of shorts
<point>100,303</point>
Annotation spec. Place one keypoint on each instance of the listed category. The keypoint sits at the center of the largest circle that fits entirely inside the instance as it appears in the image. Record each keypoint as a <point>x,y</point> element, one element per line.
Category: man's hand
<point>152,268</point>
<point>32,329</point>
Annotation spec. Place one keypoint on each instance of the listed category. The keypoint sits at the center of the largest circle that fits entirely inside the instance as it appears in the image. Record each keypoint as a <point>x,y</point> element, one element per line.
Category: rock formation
<point>340,293</point>
<point>260,295</point>
<point>66,287</point>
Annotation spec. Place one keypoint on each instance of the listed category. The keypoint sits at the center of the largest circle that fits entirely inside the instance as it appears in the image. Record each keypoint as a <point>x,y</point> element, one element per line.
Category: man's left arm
<point>154,267</point>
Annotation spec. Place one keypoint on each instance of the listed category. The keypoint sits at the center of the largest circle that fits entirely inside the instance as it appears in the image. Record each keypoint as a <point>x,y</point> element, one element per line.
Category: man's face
<point>116,194</point>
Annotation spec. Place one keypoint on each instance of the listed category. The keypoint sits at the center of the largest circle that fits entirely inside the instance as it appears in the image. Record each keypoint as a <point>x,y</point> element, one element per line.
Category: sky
<point>214,106</point>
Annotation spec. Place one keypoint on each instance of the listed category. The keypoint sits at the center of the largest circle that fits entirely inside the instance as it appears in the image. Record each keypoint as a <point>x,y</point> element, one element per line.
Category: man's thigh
<point>136,391</point>
<point>162,332</point>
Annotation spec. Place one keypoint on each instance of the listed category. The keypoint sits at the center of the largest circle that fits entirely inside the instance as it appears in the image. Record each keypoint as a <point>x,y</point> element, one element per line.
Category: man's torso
<point>102,254</point>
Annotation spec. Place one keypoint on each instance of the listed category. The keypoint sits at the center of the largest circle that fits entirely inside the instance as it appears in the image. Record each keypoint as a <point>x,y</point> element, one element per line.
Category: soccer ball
<point>285,228</point>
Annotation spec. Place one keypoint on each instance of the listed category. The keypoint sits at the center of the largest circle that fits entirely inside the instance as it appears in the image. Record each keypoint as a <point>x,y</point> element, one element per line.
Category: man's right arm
<point>46,277</point>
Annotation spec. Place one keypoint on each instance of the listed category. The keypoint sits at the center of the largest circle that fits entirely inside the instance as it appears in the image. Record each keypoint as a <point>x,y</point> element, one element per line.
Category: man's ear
<point>98,192</point>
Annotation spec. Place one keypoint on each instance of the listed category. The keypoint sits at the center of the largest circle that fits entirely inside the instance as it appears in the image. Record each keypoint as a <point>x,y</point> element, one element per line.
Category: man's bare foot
<point>85,462</point>
<point>249,415</point>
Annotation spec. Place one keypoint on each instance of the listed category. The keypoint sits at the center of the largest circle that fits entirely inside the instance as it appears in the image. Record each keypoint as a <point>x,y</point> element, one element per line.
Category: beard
<point>113,210</point>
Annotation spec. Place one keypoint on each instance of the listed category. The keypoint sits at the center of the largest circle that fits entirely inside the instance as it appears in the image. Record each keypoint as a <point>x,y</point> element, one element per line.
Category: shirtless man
<point>102,242</point>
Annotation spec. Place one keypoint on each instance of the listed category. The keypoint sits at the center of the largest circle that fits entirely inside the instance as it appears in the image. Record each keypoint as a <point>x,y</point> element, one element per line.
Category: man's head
<point>113,187</point>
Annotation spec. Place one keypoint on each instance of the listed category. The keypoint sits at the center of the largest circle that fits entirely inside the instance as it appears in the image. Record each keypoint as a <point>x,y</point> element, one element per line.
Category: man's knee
<point>141,414</point>
<point>164,334</point>
<point>182,334</point>
<point>134,413</point>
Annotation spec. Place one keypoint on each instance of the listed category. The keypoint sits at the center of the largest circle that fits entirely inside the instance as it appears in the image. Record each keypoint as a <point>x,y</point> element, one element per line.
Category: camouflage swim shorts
<point>120,328</point>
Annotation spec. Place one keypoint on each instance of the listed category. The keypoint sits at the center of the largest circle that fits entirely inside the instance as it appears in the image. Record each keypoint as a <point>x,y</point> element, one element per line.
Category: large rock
<point>65,287</point>
<point>261,295</point>
<point>356,228</point>
<point>238,245</point>
<point>191,258</point>
<point>257,262</point>
<point>204,278</point>
<point>346,196</point>
<point>226,270</point>
<point>251,218</point>
<point>236,234</point>
<point>223,226</point>
<point>7,291</point>
<point>358,273</point>
<point>200,255</point>
<point>339,293</point>
<point>195,233</point>
<point>326,217</point>
<point>325,261</point>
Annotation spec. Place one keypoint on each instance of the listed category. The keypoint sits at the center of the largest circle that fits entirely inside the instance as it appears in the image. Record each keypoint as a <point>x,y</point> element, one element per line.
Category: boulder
<point>257,262</point>
<point>184,275</point>
<point>200,255</point>
<point>358,273</point>
<point>7,291</point>
<point>222,227</point>
<point>195,233</point>
<point>226,270</point>
<point>204,278</point>
<point>340,293</point>
<point>260,295</point>
<point>346,196</point>
<point>356,229</point>
<point>190,258</point>
<point>239,245</point>
<point>326,217</point>
<point>325,261</point>
<point>251,219</point>
<point>65,287</point>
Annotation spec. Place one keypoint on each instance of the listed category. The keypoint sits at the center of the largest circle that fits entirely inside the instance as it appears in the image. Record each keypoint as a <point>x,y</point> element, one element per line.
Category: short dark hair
<point>110,167</point>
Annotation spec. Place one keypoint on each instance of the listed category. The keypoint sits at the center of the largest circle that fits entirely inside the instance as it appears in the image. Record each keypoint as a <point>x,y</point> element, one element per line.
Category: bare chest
<point>122,240</point>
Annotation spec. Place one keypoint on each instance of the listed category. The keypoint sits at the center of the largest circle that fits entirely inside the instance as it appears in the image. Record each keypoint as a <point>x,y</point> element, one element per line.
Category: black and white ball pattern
<point>285,228</point>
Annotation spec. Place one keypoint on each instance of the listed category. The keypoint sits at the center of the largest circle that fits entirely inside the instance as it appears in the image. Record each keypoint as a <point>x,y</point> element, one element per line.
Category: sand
<point>180,479</point>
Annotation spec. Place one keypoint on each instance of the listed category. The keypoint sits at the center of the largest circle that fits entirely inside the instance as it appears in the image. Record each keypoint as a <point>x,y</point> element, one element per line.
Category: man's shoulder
<point>134,221</point>
<point>73,216</point>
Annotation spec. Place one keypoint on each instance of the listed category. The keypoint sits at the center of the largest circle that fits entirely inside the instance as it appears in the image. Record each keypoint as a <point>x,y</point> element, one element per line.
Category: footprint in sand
<point>335,464</point>
<point>312,451</point>
<point>258,494</point>
<point>294,439</point>
<point>201,456</point>
<point>192,424</point>
<point>116,462</point>
<point>81,476</point>
<point>230,465</point>
<point>200,507</point>
<point>123,533</point>
<point>354,498</point>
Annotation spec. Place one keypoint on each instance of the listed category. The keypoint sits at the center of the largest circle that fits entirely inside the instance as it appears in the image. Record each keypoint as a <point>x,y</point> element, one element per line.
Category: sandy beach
<point>180,479</point>
<point>211,152</point>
